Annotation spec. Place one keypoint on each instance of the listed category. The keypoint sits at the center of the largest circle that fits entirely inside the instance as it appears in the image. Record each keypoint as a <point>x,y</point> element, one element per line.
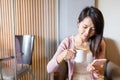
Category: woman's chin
<point>85,38</point>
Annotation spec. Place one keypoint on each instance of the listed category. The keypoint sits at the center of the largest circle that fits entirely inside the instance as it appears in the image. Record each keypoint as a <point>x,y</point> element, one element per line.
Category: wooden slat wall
<point>36,17</point>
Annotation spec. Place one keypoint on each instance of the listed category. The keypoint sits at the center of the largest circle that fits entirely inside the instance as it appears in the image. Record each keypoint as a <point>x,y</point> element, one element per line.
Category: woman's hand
<point>96,70</point>
<point>70,54</point>
<point>66,55</point>
<point>90,68</point>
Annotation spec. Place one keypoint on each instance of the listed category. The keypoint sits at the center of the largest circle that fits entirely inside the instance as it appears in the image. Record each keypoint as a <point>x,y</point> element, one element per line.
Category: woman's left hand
<point>90,68</point>
<point>95,70</point>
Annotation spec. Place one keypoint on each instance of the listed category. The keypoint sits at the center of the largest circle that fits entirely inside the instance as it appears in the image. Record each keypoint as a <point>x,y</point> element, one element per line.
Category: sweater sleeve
<point>52,65</point>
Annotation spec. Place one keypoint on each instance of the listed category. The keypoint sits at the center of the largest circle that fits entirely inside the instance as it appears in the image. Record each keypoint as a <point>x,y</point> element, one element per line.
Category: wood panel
<point>36,17</point>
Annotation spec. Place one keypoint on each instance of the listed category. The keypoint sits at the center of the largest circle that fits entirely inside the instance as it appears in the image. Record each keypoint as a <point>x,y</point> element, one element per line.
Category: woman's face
<point>86,29</point>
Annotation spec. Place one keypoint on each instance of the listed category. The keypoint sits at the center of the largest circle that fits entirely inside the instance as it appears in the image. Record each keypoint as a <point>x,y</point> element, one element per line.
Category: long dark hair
<point>98,21</point>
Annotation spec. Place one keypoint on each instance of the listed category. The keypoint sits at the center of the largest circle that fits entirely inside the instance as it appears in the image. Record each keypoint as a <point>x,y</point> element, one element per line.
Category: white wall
<point>111,11</point>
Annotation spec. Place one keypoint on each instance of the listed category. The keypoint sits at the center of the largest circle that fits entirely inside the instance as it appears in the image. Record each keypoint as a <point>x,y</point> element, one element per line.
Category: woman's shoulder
<point>68,41</point>
<point>102,48</point>
<point>103,42</point>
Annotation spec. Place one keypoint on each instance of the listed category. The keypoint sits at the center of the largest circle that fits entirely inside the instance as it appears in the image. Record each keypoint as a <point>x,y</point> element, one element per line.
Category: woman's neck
<point>79,43</point>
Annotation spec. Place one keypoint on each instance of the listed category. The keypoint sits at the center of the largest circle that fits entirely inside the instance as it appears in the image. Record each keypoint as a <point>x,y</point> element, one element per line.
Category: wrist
<point>61,57</point>
<point>59,60</point>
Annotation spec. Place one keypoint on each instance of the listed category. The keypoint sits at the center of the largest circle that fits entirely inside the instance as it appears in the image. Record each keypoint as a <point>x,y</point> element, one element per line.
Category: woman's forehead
<point>88,22</point>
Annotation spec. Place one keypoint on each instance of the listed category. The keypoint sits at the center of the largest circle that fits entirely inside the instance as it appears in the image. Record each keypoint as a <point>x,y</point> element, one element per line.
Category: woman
<point>89,38</point>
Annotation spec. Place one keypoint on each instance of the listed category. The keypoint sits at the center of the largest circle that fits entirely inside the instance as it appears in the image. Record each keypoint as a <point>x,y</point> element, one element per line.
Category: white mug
<point>80,56</point>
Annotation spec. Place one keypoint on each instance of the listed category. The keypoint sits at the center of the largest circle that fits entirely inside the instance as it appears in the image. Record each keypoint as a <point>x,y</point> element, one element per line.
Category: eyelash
<point>90,29</point>
<point>85,27</point>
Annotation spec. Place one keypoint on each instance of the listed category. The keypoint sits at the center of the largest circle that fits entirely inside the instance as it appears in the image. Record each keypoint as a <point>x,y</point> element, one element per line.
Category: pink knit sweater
<point>67,43</point>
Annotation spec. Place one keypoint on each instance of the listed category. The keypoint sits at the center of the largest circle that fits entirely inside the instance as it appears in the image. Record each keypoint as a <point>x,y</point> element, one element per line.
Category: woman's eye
<point>84,27</point>
<point>92,30</point>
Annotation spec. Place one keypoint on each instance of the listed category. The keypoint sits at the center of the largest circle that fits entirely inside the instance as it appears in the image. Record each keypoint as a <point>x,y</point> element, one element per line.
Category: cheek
<point>92,34</point>
<point>81,30</point>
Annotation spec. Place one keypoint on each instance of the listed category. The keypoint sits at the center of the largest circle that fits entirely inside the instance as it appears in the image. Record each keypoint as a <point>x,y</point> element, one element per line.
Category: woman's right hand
<point>66,55</point>
<point>97,71</point>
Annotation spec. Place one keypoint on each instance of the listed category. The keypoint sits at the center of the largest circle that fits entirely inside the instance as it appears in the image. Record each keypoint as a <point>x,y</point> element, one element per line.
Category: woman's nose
<point>87,31</point>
